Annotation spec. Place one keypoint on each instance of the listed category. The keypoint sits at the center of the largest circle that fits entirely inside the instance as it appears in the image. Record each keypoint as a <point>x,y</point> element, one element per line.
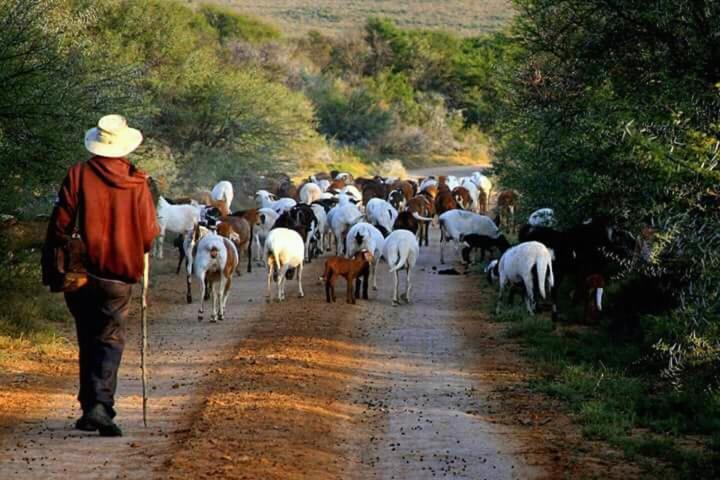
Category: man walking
<point>115,214</point>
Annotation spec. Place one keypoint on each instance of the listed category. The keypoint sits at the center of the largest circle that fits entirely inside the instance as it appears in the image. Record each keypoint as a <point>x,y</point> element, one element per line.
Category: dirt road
<point>305,389</point>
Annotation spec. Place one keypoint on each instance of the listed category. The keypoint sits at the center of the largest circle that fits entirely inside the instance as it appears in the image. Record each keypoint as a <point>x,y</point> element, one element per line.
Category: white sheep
<point>364,236</point>
<point>215,262</point>
<point>322,224</point>
<point>544,217</point>
<point>484,184</point>
<point>353,192</point>
<point>341,218</point>
<point>516,267</point>
<point>265,199</point>
<point>223,191</point>
<point>176,219</point>
<point>265,220</point>
<point>284,250</point>
<point>309,193</point>
<point>380,212</point>
<point>401,250</point>
<point>474,194</point>
<point>455,224</point>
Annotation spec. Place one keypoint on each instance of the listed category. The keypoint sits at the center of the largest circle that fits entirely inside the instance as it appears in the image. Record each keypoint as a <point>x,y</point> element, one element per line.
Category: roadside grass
<point>31,318</point>
<point>674,434</point>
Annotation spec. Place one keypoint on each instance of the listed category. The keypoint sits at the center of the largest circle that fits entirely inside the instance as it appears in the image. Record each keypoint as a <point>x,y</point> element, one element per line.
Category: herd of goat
<point>366,220</point>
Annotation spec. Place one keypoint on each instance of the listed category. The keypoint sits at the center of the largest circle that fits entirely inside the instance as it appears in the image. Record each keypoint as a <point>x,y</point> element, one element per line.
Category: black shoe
<point>84,424</point>
<point>98,416</point>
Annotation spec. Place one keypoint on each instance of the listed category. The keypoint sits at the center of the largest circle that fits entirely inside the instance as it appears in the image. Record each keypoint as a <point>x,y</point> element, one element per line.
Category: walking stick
<point>143,345</point>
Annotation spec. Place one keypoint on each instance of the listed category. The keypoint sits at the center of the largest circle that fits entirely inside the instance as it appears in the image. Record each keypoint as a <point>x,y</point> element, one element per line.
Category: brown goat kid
<point>352,269</point>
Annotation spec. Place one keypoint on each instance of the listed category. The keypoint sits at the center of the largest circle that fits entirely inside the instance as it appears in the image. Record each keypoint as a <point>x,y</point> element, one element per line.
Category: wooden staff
<point>143,345</point>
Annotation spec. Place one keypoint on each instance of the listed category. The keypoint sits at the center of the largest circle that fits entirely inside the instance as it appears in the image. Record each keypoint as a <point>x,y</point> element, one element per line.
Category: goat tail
<point>421,218</point>
<point>543,266</point>
<point>403,254</point>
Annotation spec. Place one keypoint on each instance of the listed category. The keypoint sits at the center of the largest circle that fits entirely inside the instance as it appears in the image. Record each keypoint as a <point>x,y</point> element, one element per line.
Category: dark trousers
<point>100,310</point>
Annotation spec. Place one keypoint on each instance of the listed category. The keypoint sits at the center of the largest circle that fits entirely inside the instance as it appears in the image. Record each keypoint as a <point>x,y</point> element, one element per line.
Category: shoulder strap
<point>76,219</point>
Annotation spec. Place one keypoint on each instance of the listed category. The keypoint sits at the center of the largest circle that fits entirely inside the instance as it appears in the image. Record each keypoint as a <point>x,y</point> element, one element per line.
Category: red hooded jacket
<point>117,219</point>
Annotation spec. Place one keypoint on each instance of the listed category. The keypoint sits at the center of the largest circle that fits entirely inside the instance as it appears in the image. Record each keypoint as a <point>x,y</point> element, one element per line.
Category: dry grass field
<point>464,17</point>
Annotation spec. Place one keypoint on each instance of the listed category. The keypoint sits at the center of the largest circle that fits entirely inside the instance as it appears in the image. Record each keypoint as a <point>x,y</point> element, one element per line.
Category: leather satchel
<point>70,272</point>
<point>64,263</point>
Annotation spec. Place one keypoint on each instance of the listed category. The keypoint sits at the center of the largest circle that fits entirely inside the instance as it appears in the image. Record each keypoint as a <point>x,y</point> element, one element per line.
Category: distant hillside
<point>463,17</point>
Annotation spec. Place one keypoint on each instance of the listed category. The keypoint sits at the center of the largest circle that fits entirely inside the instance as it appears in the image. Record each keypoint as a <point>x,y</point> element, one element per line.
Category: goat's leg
<point>373,267</point>
<point>271,266</point>
<point>529,297</point>
<point>214,301</point>
<point>328,288</point>
<point>408,287</point>
<point>202,301</point>
<point>301,294</point>
<point>395,288</point>
<point>226,294</point>
<point>160,241</point>
<point>188,293</point>
<point>499,297</point>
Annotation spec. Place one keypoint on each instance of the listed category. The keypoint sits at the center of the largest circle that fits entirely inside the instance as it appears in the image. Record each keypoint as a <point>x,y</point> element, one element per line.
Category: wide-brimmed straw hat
<point>112,137</point>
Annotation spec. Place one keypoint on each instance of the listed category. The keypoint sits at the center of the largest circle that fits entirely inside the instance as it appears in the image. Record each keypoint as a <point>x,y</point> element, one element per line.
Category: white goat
<point>223,191</point>
<point>309,193</point>
<point>265,199</point>
<point>365,236</point>
<point>428,182</point>
<point>353,192</point>
<point>401,250</point>
<point>176,219</point>
<point>380,212</point>
<point>190,241</point>
<point>474,194</point>
<point>322,224</point>
<point>544,217</point>
<point>265,220</point>
<point>455,224</point>
<point>341,218</point>
<point>215,262</point>
<point>516,267</point>
<point>284,249</point>
<point>484,184</point>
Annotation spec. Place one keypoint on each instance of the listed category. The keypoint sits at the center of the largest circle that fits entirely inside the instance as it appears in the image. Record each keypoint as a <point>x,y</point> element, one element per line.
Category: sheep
<point>401,250</point>
<point>507,202</point>
<point>462,197</point>
<point>357,267</point>
<point>287,189</point>
<point>266,218</point>
<point>364,236</point>
<point>474,241</point>
<point>455,224</point>
<point>353,193</point>
<point>474,193</point>
<point>423,210</point>
<point>265,199</point>
<point>544,217</point>
<point>444,202</point>
<point>397,199</point>
<point>322,224</point>
<point>190,241</point>
<point>176,219</point>
<point>284,250</point>
<point>516,266</point>
<point>341,218</point>
<point>373,189</point>
<point>223,192</point>
<point>380,212</point>
<point>242,238</point>
<point>484,184</point>
<point>428,182</point>
<point>309,193</point>
<point>214,263</point>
